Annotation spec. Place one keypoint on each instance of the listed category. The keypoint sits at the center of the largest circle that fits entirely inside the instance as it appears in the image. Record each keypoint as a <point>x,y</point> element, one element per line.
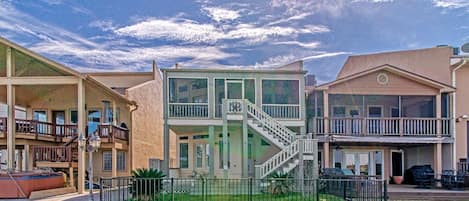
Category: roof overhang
<point>393,69</point>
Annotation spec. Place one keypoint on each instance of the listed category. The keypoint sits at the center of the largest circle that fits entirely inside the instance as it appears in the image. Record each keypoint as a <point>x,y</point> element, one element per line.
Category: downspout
<point>453,79</point>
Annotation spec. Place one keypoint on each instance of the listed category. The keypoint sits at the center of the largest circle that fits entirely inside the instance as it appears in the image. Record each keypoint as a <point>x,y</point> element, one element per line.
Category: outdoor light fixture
<point>94,142</point>
<point>462,117</point>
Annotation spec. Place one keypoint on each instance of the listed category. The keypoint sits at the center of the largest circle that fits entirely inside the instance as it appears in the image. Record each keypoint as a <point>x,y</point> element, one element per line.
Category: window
<point>94,118</point>
<point>250,90</point>
<point>107,161</point>
<point>198,89</point>
<point>73,117</point>
<point>221,161</point>
<point>154,163</point>
<point>280,92</point>
<point>107,112</point>
<point>374,111</point>
<point>199,151</point>
<point>183,155</point>
<point>338,111</point>
<point>40,115</point>
<point>121,161</point>
<point>183,88</point>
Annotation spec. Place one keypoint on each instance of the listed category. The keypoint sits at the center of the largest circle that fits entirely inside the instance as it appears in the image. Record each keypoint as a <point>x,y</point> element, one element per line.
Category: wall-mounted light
<point>462,117</point>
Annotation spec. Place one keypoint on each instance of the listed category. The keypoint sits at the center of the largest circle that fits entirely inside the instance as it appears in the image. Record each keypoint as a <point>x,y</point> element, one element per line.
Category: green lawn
<point>257,197</point>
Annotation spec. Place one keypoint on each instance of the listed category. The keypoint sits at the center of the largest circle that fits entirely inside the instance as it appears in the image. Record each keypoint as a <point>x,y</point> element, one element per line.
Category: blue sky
<point>119,35</point>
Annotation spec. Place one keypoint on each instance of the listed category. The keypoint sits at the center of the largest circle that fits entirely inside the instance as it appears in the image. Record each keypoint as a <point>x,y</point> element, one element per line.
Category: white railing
<point>277,160</point>
<point>195,110</point>
<point>308,145</point>
<point>384,126</point>
<point>282,111</point>
<point>273,126</point>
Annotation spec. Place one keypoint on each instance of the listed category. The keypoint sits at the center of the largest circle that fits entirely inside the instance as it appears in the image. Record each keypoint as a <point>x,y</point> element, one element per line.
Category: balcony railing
<point>384,126</point>
<point>53,153</point>
<point>282,111</point>
<point>197,110</point>
<point>58,131</point>
<point>112,132</point>
<point>190,110</point>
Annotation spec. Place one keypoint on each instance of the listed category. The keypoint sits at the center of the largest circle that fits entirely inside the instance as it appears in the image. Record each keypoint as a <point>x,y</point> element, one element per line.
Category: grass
<point>256,197</point>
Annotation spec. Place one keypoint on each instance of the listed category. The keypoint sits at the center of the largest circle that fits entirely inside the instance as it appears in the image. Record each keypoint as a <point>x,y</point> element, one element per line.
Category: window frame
<point>104,166</point>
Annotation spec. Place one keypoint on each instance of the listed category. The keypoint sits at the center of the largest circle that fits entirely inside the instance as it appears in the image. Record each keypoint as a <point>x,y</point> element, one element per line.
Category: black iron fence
<point>146,189</point>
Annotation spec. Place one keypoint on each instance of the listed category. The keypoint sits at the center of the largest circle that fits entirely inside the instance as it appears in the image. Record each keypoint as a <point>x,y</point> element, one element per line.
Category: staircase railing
<point>271,124</point>
<point>277,160</point>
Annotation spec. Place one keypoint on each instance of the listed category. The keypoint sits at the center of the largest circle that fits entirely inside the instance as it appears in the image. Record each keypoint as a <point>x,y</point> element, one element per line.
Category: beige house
<point>48,105</point>
<point>387,112</point>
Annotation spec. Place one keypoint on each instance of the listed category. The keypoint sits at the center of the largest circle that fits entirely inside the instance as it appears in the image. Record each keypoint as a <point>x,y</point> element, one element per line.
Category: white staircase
<point>271,129</point>
<point>268,127</point>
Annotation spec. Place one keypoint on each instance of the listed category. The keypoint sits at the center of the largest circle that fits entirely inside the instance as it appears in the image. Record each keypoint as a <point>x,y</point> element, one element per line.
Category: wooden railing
<point>384,126</point>
<point>112,132</point>
<point>188,110</point>
<point>52,153</point>
<point>282,111</point>
<point>45,128</point>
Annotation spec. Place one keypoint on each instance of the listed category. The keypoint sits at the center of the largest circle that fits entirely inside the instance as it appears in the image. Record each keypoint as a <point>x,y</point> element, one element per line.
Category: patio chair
<point>424,178</point>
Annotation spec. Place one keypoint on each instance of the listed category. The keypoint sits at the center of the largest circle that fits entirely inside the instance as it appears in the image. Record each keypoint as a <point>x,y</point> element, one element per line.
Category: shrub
<point>280,183</point>
<point>147,183</point>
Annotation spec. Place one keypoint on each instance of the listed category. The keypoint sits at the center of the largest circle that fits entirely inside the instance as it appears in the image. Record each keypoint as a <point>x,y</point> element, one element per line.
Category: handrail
<point>370,126</point>
<point>270,123</point>
<point>52,153</point>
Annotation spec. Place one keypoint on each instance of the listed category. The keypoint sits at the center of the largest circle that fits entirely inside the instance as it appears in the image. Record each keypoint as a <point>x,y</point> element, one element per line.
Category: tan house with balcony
<point>387,112</point>
<point>46,106</point>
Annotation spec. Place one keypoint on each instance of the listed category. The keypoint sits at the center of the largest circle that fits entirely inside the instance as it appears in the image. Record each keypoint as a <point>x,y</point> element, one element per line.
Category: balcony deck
<point>46,131</point>
<point>394,130</point>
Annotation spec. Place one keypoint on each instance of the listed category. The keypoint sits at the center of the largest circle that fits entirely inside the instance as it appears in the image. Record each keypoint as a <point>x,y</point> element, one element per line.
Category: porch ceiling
<point>26,94</point>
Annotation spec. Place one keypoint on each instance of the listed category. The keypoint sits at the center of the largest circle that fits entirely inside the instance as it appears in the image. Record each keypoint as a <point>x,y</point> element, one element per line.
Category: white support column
<point>326,129</point>
<point>11,127</point>
<point>81,131</point>
<point>211,139</point>
<point>27,159</point>
<point>438,160</point>
<point>245,143</point>
<point>225,140</point>
<point>114,113</point>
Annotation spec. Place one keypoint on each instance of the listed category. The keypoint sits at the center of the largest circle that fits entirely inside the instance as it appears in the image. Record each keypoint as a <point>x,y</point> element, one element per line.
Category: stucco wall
<point>147,120</point>
<point>462,108</point>
<point>368,84</point>
<point>430,62</point>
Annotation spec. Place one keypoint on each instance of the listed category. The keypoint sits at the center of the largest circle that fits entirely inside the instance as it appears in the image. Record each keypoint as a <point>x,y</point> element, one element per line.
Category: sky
<point>118,35</point>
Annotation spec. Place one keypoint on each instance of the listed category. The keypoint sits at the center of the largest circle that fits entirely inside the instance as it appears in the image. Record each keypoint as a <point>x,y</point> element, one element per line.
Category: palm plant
<point>147,183</point>
<point>280,183</point>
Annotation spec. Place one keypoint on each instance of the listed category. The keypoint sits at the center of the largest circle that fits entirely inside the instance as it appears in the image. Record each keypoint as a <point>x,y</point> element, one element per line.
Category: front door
<point>234,89</point>
<point>58,118</point>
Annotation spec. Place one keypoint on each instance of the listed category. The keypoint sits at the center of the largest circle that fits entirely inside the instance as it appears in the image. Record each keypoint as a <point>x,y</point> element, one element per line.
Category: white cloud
<point>171,29</point>
<point>105,25</point>
<point>221,14</point>
<point>311,45</point>
<point>292,18</point>
<point>451,4</point>
<point>324,55</point>
<point>190,31</point>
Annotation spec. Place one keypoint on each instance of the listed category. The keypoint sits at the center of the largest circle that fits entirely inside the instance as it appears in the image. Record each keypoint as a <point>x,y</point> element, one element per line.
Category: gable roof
<point>393,69</point>
<point>63,68</point>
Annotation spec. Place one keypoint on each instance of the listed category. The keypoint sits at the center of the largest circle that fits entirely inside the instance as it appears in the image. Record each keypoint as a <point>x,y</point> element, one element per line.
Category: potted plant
<point>397,179</point>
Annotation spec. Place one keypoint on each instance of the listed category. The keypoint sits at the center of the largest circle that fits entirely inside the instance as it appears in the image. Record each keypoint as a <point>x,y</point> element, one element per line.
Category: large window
<point>418,106</point>
<point>183,155</point>
<point>121,161</point>
<point>199,154</point>
<point>280,92</point>
<point>187,90</point>
<point>107,161</point>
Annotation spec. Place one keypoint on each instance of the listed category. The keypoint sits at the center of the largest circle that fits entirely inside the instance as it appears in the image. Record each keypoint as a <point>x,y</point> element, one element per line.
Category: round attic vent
<point>382,78</point>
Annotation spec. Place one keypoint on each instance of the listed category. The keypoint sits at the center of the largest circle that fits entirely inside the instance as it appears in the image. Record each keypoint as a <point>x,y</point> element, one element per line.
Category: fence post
<point>385,188</point>
<point>101,198</point>
<point>345,189</point>
<point>203,190</point>
<point>250,189</point>
<point>172,189</point>
<point>317,188</point>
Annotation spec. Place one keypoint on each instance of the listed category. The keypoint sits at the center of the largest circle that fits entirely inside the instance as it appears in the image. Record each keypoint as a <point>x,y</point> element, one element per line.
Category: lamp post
<point>94,142</point>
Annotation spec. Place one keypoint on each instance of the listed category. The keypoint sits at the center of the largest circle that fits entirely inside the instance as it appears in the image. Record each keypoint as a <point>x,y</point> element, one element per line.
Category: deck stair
<point>274,131</point>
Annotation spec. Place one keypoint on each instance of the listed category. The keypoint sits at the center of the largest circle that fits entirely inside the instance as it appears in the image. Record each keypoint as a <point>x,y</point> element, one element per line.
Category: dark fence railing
<point>147,189</point>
